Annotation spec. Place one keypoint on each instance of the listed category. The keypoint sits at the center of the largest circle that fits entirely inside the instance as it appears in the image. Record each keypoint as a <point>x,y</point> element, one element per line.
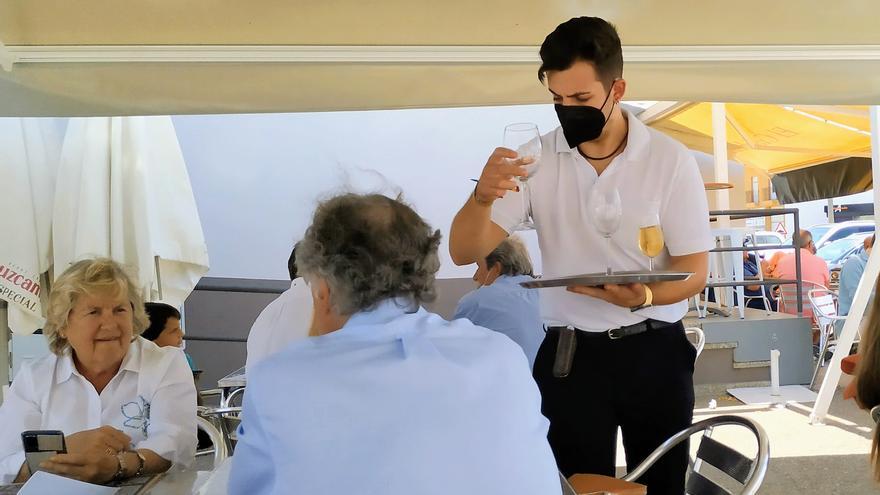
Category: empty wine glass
<point>606,210</point>
<point>525,140</point>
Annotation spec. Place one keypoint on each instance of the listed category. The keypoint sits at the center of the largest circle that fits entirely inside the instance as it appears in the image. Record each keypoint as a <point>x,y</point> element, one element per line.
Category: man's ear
<point>321,295</point>
<point>618,90</point>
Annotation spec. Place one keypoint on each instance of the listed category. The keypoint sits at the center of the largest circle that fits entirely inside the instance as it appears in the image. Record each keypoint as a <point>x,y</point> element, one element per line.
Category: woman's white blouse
<point>152,399</point>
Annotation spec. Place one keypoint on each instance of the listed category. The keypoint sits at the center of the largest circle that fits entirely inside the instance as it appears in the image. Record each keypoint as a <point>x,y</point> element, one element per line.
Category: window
<point>756,191</point>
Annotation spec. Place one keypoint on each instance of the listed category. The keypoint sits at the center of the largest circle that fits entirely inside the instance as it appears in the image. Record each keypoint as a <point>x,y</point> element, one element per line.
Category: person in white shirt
<point>632,365</point>
<point>126,406</point>
<point>284,320</point>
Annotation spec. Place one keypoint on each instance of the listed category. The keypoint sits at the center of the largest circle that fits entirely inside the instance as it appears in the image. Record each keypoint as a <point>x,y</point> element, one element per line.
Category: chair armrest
<point>219,411</point>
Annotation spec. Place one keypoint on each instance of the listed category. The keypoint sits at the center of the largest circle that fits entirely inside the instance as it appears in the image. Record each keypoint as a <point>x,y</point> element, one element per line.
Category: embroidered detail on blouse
<point>137,414</point>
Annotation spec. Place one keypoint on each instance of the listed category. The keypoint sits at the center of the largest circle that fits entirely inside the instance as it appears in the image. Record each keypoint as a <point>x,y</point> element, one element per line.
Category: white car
<point>768,238</point>
<point>825,233</point>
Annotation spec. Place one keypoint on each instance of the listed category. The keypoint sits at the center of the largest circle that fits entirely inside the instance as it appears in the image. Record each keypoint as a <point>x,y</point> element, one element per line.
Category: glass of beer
<point>651,237</point>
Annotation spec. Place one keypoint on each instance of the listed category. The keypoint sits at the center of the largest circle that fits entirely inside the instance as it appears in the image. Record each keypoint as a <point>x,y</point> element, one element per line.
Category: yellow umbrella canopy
<point>774,138</point>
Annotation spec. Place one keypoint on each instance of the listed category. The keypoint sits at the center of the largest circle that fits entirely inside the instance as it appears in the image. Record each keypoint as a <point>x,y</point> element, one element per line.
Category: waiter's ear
<point>618,89</point>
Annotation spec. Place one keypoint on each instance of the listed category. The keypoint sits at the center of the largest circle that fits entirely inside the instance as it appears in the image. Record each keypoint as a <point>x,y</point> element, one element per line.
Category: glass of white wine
<point>525,140</point>
<point>651,237</point>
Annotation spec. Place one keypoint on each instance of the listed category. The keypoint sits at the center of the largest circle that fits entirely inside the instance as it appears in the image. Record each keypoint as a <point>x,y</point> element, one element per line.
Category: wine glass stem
<point>650,264</point>
<point>525,209</point>
<point>608,255</point>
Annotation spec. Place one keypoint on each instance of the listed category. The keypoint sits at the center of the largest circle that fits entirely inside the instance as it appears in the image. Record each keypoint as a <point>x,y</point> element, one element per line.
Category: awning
<point>100,57</point>
<point>774,138</point>
<point>828,180</point>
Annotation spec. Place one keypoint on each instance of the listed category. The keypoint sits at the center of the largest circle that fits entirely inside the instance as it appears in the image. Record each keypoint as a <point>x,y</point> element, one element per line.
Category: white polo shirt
<point>285,320</point>
<point>152,399</point>
<point>652,167</point>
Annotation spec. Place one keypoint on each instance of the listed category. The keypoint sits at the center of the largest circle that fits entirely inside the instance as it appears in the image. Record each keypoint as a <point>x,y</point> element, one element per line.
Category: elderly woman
<point>126,406</point>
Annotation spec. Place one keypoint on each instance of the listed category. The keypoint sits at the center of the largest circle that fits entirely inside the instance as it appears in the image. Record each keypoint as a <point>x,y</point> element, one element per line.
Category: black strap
<point>731,462</point>
<point>697,484</point>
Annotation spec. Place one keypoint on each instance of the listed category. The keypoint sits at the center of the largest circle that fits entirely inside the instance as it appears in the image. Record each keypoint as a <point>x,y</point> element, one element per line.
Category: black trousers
<point>642,384</point>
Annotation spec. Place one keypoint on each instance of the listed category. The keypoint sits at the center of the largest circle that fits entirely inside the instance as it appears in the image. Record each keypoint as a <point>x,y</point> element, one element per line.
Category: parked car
<point>767,238</point>
<point>825,233</point>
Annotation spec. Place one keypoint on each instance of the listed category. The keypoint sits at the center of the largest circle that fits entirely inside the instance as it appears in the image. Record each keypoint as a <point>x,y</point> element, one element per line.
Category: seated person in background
<point>284,320</point>
<point>126,406</point>
<point>500,303</point>
<point>814,270</point>
<point>867,380</point>
<point>388,398</point>
<point>753,292</point>
<point>850,276</point>
<point>164,329</point>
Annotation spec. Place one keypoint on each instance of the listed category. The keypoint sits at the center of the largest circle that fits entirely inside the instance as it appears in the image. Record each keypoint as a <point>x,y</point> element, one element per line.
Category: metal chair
<point>764,298</point>
<point>749,473</point>
<point>697,337</point>
<point>567,489</point>
<point>787,302</point>
<point>824,305</point>
<point>224,419</point>
<point>218,447</point>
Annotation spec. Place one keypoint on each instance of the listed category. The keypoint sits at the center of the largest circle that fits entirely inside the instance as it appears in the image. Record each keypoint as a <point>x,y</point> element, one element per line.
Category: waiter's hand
<point>627,296</point>
<point>497,177</point>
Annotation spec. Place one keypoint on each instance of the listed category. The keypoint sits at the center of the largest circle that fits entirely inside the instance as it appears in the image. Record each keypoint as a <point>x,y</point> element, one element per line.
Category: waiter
<point>633,366</point>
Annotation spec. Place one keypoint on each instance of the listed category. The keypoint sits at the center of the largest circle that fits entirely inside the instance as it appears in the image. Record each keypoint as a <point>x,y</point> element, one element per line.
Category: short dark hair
<point>158,314</point>
<point>291,263</point>
<point>590,39</point>
<point>370,248</point>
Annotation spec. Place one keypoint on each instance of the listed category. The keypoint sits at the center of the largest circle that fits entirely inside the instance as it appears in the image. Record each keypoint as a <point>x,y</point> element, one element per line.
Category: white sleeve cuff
<point>10,466</point>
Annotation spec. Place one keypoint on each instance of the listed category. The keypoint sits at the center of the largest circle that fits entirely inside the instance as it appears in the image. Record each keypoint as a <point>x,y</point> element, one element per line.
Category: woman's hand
<point>91,455</point>
<point>106,440</point>
<point>95,467</point>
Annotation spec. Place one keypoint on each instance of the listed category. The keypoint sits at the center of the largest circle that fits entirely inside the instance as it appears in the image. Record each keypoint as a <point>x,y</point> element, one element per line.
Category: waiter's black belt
<point>567,343</point>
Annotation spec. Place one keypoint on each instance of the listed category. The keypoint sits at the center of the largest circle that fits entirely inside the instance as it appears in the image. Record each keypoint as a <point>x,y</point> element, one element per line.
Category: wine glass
<point>606,211</point>
<point>525,140</point>
<point>651,235</point>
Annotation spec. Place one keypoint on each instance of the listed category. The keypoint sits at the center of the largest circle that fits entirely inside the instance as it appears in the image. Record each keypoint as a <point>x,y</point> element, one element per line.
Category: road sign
<point>780,228</point>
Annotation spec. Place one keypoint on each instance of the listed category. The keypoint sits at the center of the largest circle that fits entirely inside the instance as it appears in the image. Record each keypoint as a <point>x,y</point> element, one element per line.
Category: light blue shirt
<point>508,308</point>
<point>395,402</point>
<point>850,276</point>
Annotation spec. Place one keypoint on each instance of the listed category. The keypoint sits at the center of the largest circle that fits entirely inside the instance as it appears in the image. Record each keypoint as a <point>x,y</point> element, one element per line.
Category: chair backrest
<point>697,337</point>
<point>567,489</point>
<point>824,305</point>
<point>219,448</point>
<point>749,473</point>
<point>788,298</point>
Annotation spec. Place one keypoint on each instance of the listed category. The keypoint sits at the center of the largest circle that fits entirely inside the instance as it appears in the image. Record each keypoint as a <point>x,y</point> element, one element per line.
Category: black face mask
<point>582,123</point>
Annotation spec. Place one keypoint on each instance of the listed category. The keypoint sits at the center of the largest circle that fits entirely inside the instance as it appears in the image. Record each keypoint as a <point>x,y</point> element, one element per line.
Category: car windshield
<point>818,231</point>
<point>835,250</point>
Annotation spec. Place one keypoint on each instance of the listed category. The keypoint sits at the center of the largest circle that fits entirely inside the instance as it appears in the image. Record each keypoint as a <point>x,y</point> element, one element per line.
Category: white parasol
<point>123,192</point>
<point>29,150</point>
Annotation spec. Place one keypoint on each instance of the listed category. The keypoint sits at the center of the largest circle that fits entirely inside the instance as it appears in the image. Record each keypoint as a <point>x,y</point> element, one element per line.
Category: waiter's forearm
<point>674,292</point>
<point>473,234</point>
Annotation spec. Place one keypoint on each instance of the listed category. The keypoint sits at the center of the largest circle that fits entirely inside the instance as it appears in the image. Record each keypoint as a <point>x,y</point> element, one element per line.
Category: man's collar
<point>384,312</point>
<point>637,139</point>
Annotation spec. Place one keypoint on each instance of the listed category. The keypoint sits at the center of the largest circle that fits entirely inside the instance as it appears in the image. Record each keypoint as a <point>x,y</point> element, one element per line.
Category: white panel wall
<point>257,178</point>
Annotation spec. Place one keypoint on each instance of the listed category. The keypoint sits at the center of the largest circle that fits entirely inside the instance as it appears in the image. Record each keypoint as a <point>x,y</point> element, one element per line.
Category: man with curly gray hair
<point>386,397</point>
<point>499,303</point>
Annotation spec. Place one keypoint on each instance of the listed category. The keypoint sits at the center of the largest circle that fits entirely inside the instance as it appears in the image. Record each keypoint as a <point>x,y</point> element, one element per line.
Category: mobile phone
<point>40,445</point>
